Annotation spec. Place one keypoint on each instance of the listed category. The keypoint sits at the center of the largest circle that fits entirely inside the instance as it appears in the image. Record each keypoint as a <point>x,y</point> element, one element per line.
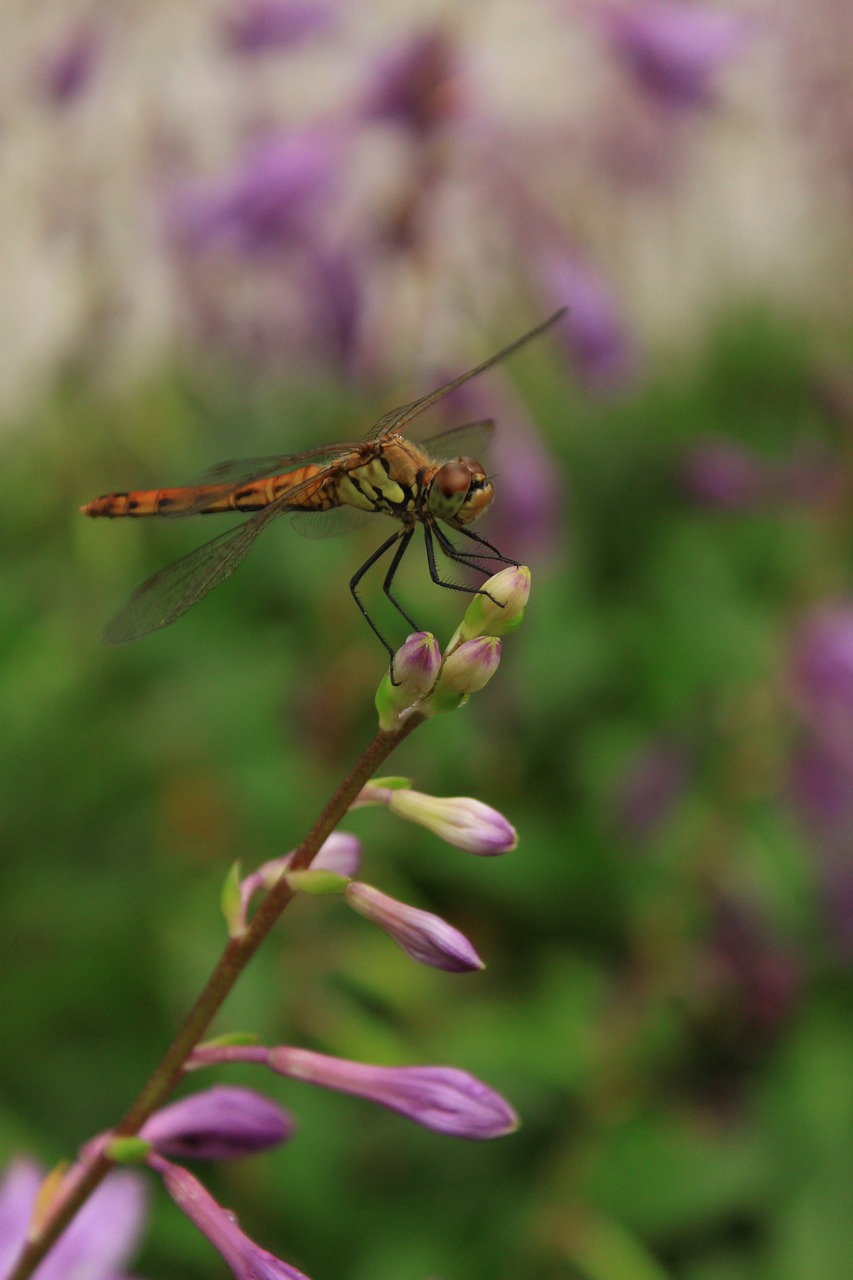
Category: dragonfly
<point>323,489</point>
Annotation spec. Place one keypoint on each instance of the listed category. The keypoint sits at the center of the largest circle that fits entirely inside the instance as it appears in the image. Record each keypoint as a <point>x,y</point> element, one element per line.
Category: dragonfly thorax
<point>459,492</point>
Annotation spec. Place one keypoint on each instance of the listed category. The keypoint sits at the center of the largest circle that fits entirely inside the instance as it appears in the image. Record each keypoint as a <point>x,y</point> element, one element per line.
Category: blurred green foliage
<point>671,1126</point>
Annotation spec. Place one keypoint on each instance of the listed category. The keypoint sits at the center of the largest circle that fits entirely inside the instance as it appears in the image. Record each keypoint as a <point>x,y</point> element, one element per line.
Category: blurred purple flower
<point>820,789</point>
<point>99,1242</point>
<point>594,330</point>
<point>273,198</point>
<point>246,1259</point>
<point>222,1123</point>
<point>423,936</point>
<point>821,675</point>
<point>67,71</point>
<point>440,1098</point>
<point>765,975</point>
<point>650,786</point>
<point>675,51</point>
<point>720,473</point>
<point>265,25</point>
<point>416,84</point>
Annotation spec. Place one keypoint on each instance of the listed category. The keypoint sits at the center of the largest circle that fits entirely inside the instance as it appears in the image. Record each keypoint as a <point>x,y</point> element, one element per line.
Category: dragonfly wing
<point>329,524</point>
<point>396,419</point>
<point>469,440</point>
<point>169,593</point>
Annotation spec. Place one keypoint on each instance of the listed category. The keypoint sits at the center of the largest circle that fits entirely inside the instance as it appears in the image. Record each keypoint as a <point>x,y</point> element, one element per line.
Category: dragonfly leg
<point>359,574</point>
<point>405,539</point>
<point>452,554</point>
<point>475,537</point>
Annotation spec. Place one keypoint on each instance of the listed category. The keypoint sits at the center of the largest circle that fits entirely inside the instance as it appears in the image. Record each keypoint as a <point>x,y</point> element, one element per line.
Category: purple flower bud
<point>264,25</point>
<point>425,937</point>
<point>417,85</point>
<point>440,1098</point>
<point>246,1259</point>
<point>821,793</point>
<point>414,671</point>
<point>222,1123</point>
<point>469,667</point>
<point>594,330</point>
<point>674,51</point>
<point>499,608</point>
<point>100,1241</point>
<point>461,821</point>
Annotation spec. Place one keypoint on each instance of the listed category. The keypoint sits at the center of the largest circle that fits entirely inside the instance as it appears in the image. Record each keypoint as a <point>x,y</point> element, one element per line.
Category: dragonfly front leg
<point>475,537</point>
<point>452,554</point>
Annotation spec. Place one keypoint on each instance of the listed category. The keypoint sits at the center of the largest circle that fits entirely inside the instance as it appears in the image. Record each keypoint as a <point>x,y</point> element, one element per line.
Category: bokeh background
<point>247,228</point>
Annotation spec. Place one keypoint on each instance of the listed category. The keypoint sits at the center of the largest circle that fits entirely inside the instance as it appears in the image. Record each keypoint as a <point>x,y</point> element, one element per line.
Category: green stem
<point>232,962</point>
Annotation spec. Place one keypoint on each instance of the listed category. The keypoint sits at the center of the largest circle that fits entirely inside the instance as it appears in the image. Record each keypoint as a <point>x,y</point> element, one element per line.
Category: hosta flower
<point>98,1244</point>
<point>423,936</point>
<point>468,668</point>
<point>416,85</point>
<point>222,1123</point>
<point>341,854</point>
<point>247,1260</point>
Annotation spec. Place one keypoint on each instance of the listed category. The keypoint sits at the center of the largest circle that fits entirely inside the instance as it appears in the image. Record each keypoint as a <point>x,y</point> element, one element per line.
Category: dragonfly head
<point>460,492</point>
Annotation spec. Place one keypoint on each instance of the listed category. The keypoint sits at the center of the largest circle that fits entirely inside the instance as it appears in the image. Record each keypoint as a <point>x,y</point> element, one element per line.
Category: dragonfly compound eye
<point>459,491</point>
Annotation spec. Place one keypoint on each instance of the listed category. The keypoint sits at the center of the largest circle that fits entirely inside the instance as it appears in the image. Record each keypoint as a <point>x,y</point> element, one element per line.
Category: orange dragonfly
<point>385,473</point>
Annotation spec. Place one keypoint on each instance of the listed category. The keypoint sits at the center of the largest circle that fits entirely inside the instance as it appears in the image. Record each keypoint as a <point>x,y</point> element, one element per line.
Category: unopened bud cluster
<point>423,680</point>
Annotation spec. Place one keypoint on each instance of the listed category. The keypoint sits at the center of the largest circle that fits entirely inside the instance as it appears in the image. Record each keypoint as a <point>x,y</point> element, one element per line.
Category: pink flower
<point>222,1123</point>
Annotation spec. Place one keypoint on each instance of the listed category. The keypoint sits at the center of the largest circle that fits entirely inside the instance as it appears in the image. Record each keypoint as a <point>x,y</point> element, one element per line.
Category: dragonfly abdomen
<point>208,499</point>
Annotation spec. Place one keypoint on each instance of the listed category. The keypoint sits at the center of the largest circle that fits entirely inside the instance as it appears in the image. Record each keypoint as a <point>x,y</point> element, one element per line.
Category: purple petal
<point>650,786</point>
<point>18,1191</point>
<point>221,1123</point>
<point>440,1098</point>
<point>722,473</point>
<point>67,72</point>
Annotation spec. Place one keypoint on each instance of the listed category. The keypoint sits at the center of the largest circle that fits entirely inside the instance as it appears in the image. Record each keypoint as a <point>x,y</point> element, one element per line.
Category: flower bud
<point>222,1123</point>
<point>440,1098</point>
<point>425,937</point>
<point>461,821</point>
<point>414,671</point>
<point>465,671</point>
<point>499,608</point>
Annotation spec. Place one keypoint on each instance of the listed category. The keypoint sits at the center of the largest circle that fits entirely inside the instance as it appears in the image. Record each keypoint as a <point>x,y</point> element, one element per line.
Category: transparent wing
<point>397,419</point>
<point>169,593</point>
<point>469,439</point>
<point>329,524</point>
<point>239,471</point>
